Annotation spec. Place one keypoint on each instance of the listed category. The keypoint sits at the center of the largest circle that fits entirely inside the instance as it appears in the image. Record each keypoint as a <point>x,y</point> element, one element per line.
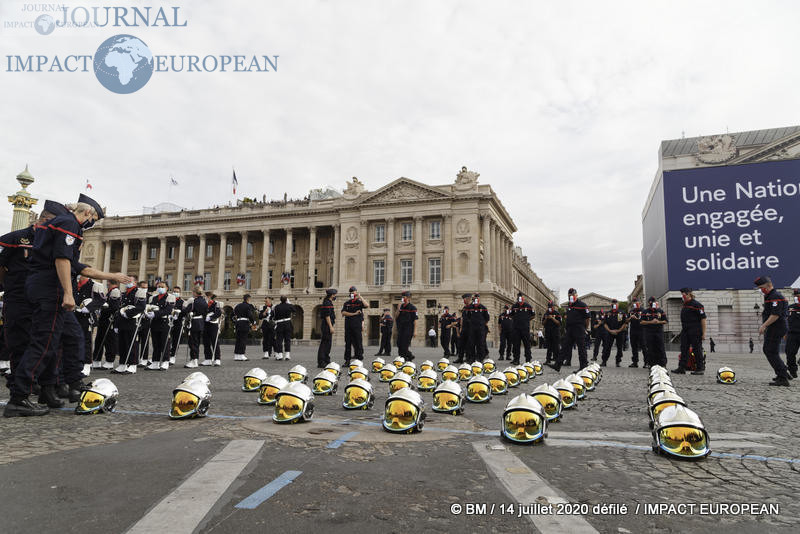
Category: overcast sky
<point>560,106</point>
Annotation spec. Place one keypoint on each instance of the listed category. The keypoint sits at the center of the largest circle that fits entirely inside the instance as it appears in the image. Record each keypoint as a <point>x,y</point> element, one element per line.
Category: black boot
<point>36,389</point>
<point>22,407</point>
<point>62,391</point>
<point>679,371</point>
<point>75,390</point>
<point>48,396</point>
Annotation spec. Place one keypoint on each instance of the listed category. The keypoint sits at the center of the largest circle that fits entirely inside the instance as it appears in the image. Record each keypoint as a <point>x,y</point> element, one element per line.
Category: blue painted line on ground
<point>253,501</point>
<point>335,444</point>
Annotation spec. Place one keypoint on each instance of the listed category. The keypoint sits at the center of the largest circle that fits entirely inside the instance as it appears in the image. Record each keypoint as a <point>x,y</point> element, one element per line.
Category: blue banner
<point>728,225</point>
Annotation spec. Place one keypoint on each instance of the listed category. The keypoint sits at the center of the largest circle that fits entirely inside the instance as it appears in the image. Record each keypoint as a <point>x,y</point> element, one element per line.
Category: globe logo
<point>44,24</point>
<point>123,64</point>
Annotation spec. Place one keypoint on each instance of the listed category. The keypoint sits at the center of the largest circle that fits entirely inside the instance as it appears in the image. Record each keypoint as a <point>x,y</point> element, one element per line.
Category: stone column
<point>363,246</point>
<point>243,261</point>
<point>447,233</point>
<point>487,256</point>
<point>287,259</point>
<point>389,271</point>
<point>495,254</point>
<point>162,258</point>
<point>508,263</point>
<point>201,257</point>
<point>126,244</point>
<point>312,238</point>
<point>223,243</point>
<point>143,260</point>
<point>107,257</point>
<point>336,256</point>
<point>418,251</point>
<point>265,262</point>
<point>181,261</point>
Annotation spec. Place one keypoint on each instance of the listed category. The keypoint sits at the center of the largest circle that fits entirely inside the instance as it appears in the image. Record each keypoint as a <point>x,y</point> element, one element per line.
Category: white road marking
<point>182,510</point>
<point>528,488</point>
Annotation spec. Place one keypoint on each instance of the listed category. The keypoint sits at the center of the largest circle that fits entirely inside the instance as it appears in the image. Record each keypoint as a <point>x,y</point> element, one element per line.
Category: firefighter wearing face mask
<point>773,328</point>
<point>352,311</point>
<point>793,336</point>
<point>522,313</point>
<point>464,327</point>
<point>636,333</point>
<point>653,320</point>
<point>478,328</point>
<point>551,320</point>
<point>693,332</point>
<point>615,324</point>
<point>506,326</point>
<point>327,317</point>
<point>575,334</point>
<point>406,321</point>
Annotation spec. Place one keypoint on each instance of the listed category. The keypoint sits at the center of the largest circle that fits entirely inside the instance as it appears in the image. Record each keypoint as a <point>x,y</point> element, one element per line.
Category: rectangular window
<point>209,251</point>
<point>291,278</point>
<point>378,272</point>
<point>380,233</point>
<point>189,252</point>
<point>435,271</point>
<point>206,281</point>
<point>113,253</point>
<point>271,246</point>
<point>226,282</point>
<point>436,230</point>
<point>725,314</point>
<point>187,281</point>
<point>269,274</point>
<point>135,254</point>
<point>248,280</point>
<point>406,272</point>
<point>249,249</point>
<point>153,253</point>
<point>229,250</point>
<point>406,232</point>
<point>294,246</point>
<point>316,244</point>
<point>168,281</point>
<point>171,253</point>
<point>151,280</point>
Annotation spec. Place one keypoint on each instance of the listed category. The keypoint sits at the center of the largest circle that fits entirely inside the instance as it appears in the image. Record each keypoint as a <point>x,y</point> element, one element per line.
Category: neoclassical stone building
<point>436,241</point>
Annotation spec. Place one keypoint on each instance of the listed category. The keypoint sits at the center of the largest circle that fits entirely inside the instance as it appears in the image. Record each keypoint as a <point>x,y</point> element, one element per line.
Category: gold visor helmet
<point>334,368</point>
<point>427,380</point>
<point>358,395</point>
<point>530,370</point>
<point>377,364</point>
<point>253,379</point>
<point>270,388</point>
<point>477,368</point>
<point>588,379</point>
<point>522,373</point>
<point>659,387</point>
<point>678,432</point>
<point>512,376</point>
<point>597,370</point>
<point>99,395</point>
<point>726,375</point>
<point>660,402</point>
<point>567,393</point>
<point>537,367</point>
<point>579,385</point>
<point>426,365</point>
<point>442,364</point>
<point>298,373</point>
<point>479,390</point>
<point>325,383</point>
<point>409,368</point>
<point>499,383</point>
<point>387,373</point>
<point>524,420</point>
<point>550,399</point>
<point>448,397</point>
<point>190,399</point>
<point>294,403</point>
<point>450,373</point>
<point>489,366</point>
<point>400,381</point>
<point>359,373</point>
<point>398,361</point>
<point>354,364</point>
<point>404,412</point>
<point>464,372</point>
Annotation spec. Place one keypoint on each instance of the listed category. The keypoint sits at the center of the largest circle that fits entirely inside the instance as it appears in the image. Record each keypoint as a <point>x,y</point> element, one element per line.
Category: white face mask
<point>176,293</point>
<point>161,290</point>
<point>654,305</point>
<point>130,285</point>
<point>797,300</point>
<point>352,296</point>
<point>614,307</point>
<point>572,299</point>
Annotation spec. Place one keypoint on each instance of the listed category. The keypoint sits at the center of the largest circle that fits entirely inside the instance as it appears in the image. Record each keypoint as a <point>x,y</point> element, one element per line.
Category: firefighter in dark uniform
<point>551,320</point>
<point>49,289</point>
<point>598,332</point>
<point>464,330</point>
<point>406,325</point>
<point>615,324</point>
<point>211,330</point>
<point>653,320</point>
<point>793,336</point>
<point>445,320</point>
<point>267,328</point>
<point>773,328</point>
<point>106,341</point>
<point>575,333</point>
<point>693,332</point>
<point>128,321</point>
<point>455,327</point>
<point>160,309</point>
<point>353,314</point>
<point>144,330</point>
<point>636,333</point>
<point>83,296</point>
<point>327,319</point>
<point>506,327</point>
<point>283,329</point>
<point>244,317</point>
<point>522,314</point>
<point>478,328</point>
<point>176,331</point>
<point>386,325</point>
<point>195,309</point>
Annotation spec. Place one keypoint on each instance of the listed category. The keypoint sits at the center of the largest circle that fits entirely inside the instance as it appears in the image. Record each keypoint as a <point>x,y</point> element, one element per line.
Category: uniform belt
<point>282,320</point>
<point>196,318</point>
<point>242,319</point>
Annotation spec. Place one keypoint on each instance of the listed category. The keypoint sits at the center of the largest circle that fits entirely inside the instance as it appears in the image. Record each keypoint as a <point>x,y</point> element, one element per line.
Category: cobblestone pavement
<point>598,454</point>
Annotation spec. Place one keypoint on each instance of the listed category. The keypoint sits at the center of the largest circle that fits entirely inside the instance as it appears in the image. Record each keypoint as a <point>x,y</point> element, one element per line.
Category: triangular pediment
<point>787,147</point>
<point>403,190</point>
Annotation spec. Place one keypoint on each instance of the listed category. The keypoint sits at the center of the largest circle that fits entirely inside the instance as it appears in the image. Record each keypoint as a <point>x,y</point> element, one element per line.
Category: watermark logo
<point>123,64</point>
<point>44,24</point>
